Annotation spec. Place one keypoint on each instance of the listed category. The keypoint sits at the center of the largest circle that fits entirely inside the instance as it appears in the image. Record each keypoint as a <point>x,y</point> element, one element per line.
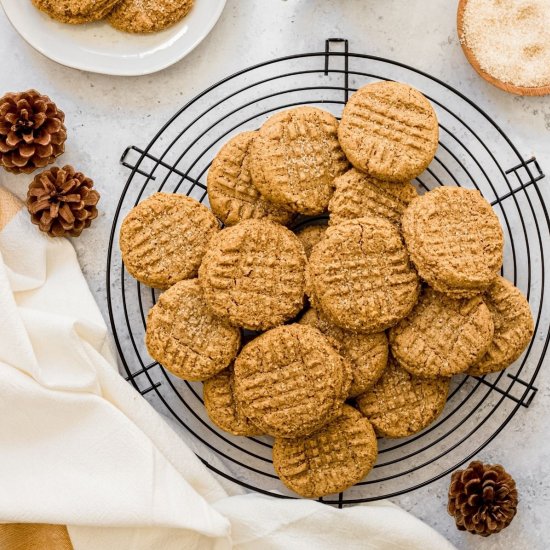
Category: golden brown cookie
<point>184,336</point>
<point>219,400</point>
<point>232,196</point>
<point>402,404</point>
<point>310,235</point>
<point>359,276</point>
<point>164,237</point>
<point>454,239</point>
<point>357,195</point>
<point>290,381</point>
<point>75,11</point>
<point>295,159</point>
<point>253,274</point>
<point>142,16</point>
<point>367,353</point>
<point>442,336</point>
<point>389,130</point>
<point>514,327</point>
<point>329,461</point>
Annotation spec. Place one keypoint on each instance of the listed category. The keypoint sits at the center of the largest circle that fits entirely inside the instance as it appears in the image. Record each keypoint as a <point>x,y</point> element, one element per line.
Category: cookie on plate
<point>401,404</point>
<point>329,461</point>
<point>389,130</point>
<point>359,276</point>
<point>143,16</point>
<point>454,239</point>
<point>310,235</point>
<point>184,336</point>
<point>231,194</point>
<point>219,401</point>
<point>367,353</point>
<point>75,11</point>
<point>357,195</point>
<point>164,237</point>
<point>514,327</point>
<point>290,381</point>
<point>295,159</point>
<point>442,336</point>
<point>253,274</point>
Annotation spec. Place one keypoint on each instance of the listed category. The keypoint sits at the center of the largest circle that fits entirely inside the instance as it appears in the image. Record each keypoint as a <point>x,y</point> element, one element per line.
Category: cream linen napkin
<point>79,446</point>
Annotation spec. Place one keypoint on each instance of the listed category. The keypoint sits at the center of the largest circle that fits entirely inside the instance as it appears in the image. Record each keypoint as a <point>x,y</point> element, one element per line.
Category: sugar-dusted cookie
<point>329,461</point>
<point>442,335</point>
<point>357,195</point>
<point>184,336</point>
<point>454,239</point>
<point>310,235</point>
<point>513,327</point>
<point>76,11</point>
<point>295,159</point>
<point>253,274</point>
<point>290,381</point>
<point>232,196</point>
<point>389,130</point>
<point>359,276</point>
<point>367,353</point>
<point>164,237</point>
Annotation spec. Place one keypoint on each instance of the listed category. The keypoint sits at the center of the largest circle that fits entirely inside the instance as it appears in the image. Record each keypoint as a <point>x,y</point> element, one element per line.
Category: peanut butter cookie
<point>454,239</point>
<point>164,237</point>
<point>514,327</point>
<point>329,461</point>
<point>359,276</point>
<point>290,382</point>
<point>232,196</point>
<point>75,11</point>
<point>184,336</point>
<point>310,235</point>
<point>389,130</point>
<point>442,336</point>
<point>253,274</point>
<point>295,159</point>
<point>401,404</point>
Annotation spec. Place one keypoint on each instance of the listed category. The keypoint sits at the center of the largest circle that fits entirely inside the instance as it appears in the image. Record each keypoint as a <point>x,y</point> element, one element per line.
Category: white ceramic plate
<point>98,48</point>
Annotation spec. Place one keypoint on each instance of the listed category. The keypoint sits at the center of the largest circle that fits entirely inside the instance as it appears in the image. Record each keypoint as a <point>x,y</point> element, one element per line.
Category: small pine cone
<point>62,202</point>
<point>482,498</point>
<point>32,133</point>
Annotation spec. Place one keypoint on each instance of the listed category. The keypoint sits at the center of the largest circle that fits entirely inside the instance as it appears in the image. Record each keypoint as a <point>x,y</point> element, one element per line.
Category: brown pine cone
<point>482,498</point>
<point>62,202</point>
<point>32,133</point>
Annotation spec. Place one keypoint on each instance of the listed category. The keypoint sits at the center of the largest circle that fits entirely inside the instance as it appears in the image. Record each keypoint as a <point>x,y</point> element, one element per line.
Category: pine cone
<point>32,133</point>
<point>62,202</point>
<point>482,498</point>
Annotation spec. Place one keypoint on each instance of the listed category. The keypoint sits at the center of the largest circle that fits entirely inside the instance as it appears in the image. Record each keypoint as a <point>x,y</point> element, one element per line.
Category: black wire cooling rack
<point>473,152</point>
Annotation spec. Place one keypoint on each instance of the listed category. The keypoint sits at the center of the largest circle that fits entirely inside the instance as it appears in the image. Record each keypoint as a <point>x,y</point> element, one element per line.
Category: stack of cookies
<point>353,329</point>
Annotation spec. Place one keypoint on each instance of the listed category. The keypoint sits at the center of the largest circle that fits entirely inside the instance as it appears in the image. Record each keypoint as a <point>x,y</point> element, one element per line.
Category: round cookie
<point>359,276</point>
<point>219,401</point>
<point>389,130</point>
<point>329,461</point>
<point>367,353</point>
<point>442,336</point>
<point>454,239</point>
<point>296,157</point>
<point>253,274</point>
<point>401,404</point>
<point>164,237</point>
<point>75,12</point>
<point>514,327</point>
<point>357,195</point>
<point>310,235</point>
<point>231,194</point>
<point>290,382</point>
<point>184,336</point>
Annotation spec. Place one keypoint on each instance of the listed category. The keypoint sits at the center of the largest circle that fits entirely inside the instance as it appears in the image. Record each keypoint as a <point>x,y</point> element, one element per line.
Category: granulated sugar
<point>510,39</point>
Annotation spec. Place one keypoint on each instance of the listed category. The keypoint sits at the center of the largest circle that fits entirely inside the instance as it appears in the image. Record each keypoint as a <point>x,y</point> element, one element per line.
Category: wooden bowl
<point>507,87</point>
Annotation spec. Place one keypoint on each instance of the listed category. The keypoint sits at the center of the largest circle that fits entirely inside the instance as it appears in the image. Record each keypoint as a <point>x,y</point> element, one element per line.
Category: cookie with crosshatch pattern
<point>164,237</point>
<point>290,381</point>
<point>185,337</point>
<point>231,194</point>
<point>329,461</point>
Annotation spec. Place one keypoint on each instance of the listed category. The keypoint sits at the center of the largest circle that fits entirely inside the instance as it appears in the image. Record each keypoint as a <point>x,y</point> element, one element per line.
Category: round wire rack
<point>473,152</point>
